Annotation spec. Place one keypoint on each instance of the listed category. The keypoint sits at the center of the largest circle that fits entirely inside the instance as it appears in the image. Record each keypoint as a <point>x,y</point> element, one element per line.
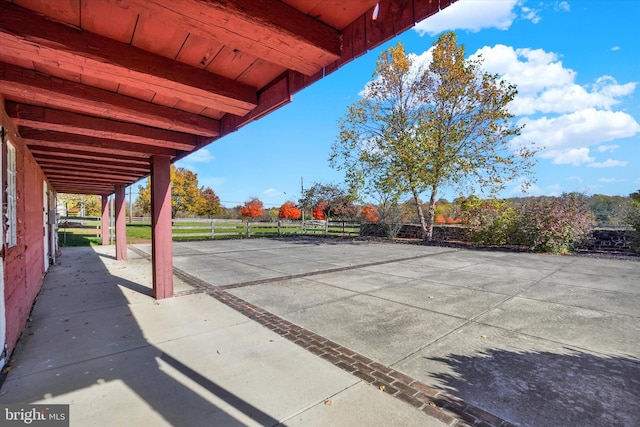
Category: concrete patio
<point>302,332</point>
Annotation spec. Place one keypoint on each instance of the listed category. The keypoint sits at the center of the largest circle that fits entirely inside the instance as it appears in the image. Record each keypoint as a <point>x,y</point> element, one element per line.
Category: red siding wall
<point>23,263</point>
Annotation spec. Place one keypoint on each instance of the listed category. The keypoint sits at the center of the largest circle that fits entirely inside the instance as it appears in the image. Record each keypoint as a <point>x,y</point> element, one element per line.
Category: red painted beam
<point>139,159</point>
<point>90,164</point>
<point>66,121</point>
<point>30,87</point>
<point>53,165</point>
<point>269,29</point>
<point>62,188</point>
<point>270,99</point>
<point>79,142</point>
<point>90,177</point>
<point>161,234</point>
<point>29,36</point>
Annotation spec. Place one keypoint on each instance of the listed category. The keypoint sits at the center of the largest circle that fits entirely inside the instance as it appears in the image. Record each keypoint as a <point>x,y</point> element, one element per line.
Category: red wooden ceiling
<point>97,87</point>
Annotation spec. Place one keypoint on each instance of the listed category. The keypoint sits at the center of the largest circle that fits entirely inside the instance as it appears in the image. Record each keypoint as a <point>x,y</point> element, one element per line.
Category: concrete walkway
<point>329,332</point>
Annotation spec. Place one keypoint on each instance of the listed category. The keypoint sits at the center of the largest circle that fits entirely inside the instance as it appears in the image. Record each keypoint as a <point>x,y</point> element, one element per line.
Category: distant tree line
<point>331,201</point>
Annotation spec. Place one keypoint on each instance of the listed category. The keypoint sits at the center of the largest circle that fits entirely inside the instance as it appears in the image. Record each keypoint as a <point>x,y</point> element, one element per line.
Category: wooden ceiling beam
<point>66,121</point>
<point>271,98</point>
<point>29,36</point>
<point>75,188</point>
<point>112,175</point>
<point>30,87</point>
<point>67,164</point>
<point>140,159</point>
<point>93,177</point>
<point>62,159</point>
<point>269,29</point>
<point>35,137</point>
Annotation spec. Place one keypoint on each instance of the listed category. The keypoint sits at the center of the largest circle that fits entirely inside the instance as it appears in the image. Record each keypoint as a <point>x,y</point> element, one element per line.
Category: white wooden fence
<point>200,228</point>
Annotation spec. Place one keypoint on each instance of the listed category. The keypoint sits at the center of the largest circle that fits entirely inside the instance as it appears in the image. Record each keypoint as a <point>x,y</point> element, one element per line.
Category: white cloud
<point>531,14</point>
<point>574,156</point>
<point>576,178</point>
<point>615,48</point>
<point>534,190</point>
<point>576,117</point>
<point>609,163</point>
<point>604,148</point>
<point>477,15</point>
<point>531,70</point>
<point>611,180</point>
<point>470,15</point>
<point>567,137</point>
<point>545,85</point>
<point>608,86</point>
<point>201,156</point>
<point>271,192</point>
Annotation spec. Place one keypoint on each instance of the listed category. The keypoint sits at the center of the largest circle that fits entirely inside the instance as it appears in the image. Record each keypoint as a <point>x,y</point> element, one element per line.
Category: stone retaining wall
<point>620,241</point>
<point>612,241</point>
<point>441,233</point>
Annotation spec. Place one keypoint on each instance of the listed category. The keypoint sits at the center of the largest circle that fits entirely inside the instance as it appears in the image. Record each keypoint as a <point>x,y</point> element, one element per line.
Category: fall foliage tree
<point>289,211</point>
<point>208,203</point>
<point>369,213</point>
<point>252,208</point>
<point>331,199</point>
<point>319,210</point>
<point>417,129</point>
<point>90,204</point>
<point>143,202</point>
<point>186,196</point>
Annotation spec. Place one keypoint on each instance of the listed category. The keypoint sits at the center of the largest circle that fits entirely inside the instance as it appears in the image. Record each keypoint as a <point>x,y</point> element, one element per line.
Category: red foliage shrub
<point>289,211</point>
<point>319,210</point>
<point>369,213</point>
<point>252,208</point>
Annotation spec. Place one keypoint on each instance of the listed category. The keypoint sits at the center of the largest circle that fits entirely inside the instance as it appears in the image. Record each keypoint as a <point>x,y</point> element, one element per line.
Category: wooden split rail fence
<point>197,228</point>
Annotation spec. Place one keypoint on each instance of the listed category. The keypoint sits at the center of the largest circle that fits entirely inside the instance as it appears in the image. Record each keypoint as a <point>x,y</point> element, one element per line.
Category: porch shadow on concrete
<point>574,388</point>
<point>97,357</point>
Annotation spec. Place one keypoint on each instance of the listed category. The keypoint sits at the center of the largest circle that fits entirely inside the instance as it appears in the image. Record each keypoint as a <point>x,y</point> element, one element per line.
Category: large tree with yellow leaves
<point>186,196</point>
<point>417,129</point>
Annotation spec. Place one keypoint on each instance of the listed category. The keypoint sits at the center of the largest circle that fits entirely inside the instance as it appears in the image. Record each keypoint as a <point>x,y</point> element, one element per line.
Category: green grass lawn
<point>137,232</point>
<point>73,238</point>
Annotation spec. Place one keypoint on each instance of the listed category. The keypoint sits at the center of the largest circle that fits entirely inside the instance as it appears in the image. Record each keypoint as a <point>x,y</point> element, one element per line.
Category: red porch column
<point>121,225</point>
<point>105,220</point>
<point>161,251</point>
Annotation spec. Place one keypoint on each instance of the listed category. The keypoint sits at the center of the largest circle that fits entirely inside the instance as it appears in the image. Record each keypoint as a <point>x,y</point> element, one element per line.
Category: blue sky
<point>576,65</point>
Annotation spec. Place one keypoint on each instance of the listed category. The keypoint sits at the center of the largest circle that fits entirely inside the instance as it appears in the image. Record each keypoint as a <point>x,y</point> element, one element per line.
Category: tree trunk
<point>423,224</point>
<point>432,213</point>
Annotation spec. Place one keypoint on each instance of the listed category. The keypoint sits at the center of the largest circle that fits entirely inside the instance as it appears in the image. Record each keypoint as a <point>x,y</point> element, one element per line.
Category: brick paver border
<point>433,402</point>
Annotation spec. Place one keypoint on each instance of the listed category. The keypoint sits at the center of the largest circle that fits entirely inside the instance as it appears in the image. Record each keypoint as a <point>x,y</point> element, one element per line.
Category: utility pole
<point>302,198</point>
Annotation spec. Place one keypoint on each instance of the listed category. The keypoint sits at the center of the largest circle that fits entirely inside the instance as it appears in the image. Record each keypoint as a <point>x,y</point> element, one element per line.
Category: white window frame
<point>12,222</point>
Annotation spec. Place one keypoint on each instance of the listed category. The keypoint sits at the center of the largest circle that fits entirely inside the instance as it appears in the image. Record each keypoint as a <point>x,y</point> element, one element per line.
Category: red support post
<point>105,220</point>
<point>161,250</point>
<point>121,225</point>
